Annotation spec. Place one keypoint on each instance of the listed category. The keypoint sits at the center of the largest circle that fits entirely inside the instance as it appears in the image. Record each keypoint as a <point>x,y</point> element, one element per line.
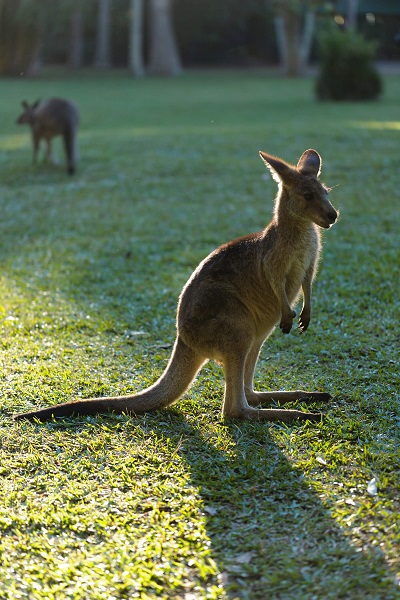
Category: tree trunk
<point>307,39</point>
<point>75,49</point>
<point>294,41</point>
<point>281,42</point>
<point>35,55</point>
<point>103,36</point>
<point>164,56</point>
<point>136,63</point>
<point>292,33</point>
<point>351,15</point>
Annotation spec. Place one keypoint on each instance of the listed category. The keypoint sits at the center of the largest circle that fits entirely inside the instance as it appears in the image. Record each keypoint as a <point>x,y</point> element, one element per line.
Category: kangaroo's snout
<point>328,215</point>
<point>332,215</point>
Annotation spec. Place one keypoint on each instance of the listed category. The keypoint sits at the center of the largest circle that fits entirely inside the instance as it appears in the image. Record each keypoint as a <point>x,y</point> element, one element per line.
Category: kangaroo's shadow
<point>267,526</point>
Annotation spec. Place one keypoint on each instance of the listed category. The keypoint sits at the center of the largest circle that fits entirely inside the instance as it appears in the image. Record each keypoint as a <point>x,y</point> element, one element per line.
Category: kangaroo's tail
<point>182,368</point>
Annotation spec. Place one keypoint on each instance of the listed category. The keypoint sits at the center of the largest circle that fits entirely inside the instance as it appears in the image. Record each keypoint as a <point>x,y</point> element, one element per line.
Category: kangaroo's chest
<point>295,276</point>
<point>298,265</point>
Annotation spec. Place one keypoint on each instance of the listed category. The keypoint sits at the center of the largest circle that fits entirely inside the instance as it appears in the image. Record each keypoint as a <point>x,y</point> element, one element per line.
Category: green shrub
<point>347,71</point>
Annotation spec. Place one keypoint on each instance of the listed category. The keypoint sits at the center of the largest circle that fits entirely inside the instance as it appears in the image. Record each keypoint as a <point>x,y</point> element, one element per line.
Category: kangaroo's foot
<point>255,398</point>
<point>271,414</point>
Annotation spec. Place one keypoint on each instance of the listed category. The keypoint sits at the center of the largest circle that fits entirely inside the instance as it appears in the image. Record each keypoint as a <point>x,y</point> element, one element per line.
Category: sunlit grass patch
<point>394,125</point>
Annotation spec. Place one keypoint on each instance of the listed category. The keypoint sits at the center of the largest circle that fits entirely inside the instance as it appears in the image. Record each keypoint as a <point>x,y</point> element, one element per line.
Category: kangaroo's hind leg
<point>70,149</point>
<point>50,156</point>
<point>35,144</point>
<point>235,401</point>
<point>250,367</point>
<point>255,398</point>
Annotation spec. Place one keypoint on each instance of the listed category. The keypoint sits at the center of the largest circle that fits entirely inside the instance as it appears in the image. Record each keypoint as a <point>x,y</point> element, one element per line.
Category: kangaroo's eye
<point>308,196</point>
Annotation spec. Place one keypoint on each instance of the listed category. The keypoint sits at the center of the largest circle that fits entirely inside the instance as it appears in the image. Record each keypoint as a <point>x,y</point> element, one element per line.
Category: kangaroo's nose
<point>332,215</point>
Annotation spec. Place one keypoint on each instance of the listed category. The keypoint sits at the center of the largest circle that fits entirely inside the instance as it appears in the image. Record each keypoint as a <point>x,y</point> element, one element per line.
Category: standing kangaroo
<point>50,119</point>
<point>234,300</point>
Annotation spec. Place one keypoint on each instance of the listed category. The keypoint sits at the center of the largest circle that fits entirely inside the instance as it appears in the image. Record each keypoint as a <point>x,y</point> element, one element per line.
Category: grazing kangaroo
<point>50,119</point>
<point>234,300</point>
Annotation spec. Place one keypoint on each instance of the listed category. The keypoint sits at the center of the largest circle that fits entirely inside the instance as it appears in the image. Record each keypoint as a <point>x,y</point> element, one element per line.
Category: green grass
<point>180,504</point>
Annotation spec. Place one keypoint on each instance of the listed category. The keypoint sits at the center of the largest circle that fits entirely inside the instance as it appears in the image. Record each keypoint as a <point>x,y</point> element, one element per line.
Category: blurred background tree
<point>164,58</point>
<point>76,41</point>
<point>159,36</point>
<point>102,57</point>
<point>294,27</point>
<point>21,34</point>
<point>136,35</point>
<point>347,71</point>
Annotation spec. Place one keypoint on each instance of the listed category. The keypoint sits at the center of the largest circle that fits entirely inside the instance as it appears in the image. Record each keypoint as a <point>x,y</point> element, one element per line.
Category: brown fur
<point>50,119</point>
<point>234,300</point>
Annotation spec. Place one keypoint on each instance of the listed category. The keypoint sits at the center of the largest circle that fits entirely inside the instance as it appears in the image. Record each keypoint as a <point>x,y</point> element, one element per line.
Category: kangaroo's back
<point>56,116</point>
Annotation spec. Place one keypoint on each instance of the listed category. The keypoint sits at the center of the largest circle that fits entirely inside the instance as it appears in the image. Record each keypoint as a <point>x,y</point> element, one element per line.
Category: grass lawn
<point>180,504</point>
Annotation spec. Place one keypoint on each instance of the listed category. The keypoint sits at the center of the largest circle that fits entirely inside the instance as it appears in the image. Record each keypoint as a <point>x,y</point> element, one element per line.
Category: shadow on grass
<point>267,526</point>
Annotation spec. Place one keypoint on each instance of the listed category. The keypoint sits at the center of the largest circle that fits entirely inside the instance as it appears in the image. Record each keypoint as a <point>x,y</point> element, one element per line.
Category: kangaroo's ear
<point>309,163</point>
<point>36,104</point>
<point>24,104</point>
<point>280,170</point>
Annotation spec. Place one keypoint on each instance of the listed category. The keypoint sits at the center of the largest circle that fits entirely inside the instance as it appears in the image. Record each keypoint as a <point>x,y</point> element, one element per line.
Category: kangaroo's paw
<point>287,322</point>
<point>304,321</point>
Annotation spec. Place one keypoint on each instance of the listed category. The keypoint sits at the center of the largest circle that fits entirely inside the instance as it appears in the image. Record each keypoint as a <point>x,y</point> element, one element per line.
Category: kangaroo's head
<point>28,114</point>
<point>301,194</point>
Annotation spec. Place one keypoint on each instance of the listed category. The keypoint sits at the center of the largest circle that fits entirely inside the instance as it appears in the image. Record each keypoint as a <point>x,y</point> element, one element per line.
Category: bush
<point>347,71</point>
